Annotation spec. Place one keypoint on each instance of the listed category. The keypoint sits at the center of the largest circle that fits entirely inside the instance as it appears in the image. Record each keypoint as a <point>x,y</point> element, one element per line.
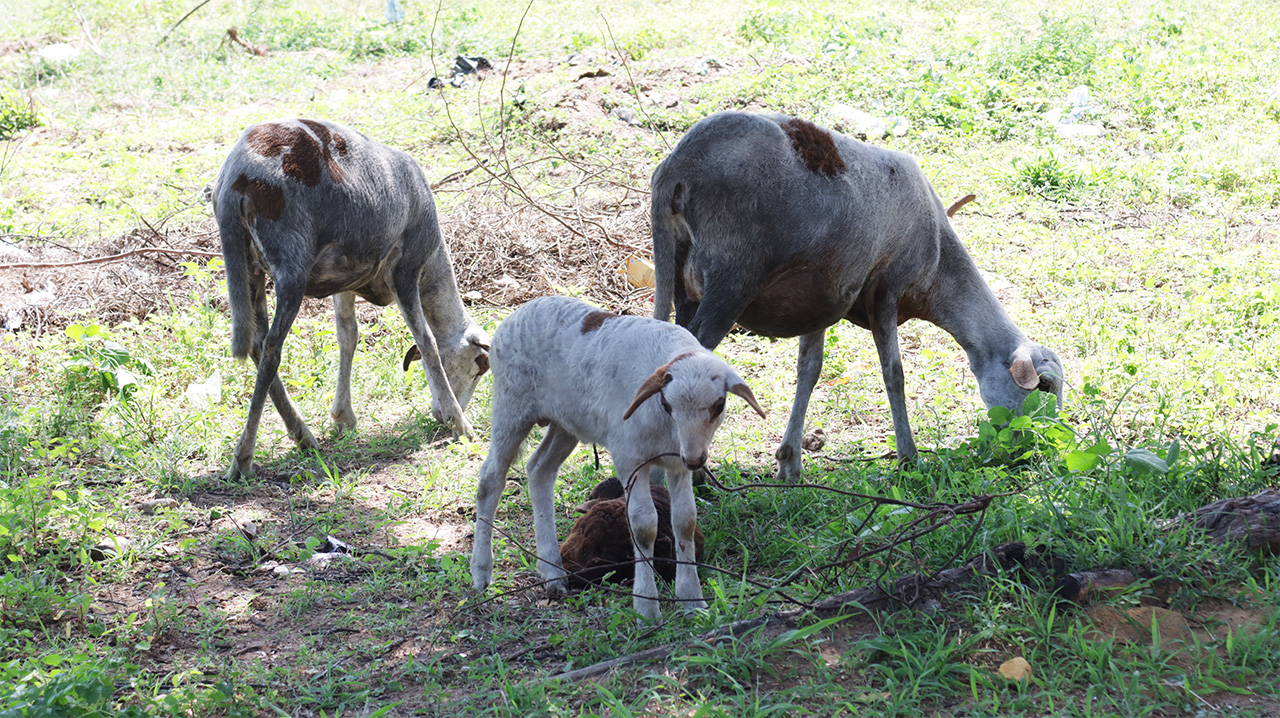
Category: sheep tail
<point>663,208</point>
<point>235,252</point>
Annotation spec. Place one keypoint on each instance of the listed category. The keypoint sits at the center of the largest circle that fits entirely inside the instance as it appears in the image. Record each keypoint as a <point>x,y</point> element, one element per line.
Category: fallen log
<point>1253,522</point>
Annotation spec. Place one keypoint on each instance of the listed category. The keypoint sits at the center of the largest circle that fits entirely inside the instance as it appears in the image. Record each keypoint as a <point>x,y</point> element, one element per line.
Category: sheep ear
<point>1023,370</point>
<point>411,356</point>
<point>658,379</point>
<point>739,387</point>
<point>482,359</point>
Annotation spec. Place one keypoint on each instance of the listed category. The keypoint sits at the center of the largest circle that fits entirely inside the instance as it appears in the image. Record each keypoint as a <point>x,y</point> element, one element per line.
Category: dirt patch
<point>1210,622</point>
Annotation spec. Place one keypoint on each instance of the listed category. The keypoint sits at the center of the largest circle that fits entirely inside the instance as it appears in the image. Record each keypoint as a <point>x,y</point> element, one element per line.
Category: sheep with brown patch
<point>326,211</point>
<point>643,388</point>
<point>785,227</point>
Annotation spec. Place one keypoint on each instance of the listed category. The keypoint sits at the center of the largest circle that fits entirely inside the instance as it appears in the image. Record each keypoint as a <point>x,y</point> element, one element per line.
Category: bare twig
<point>113,257</point>
<point>181,20</point>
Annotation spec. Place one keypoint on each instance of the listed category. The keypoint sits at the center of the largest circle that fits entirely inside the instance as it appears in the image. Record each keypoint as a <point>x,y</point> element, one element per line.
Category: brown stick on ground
<point>113,258</point>
<point>859,601</point>
<point>234,35</point>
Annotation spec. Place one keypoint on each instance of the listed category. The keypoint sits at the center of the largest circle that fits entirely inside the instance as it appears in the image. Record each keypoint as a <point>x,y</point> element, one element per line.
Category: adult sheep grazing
<point>786,227</point>
<point>645,389</point>
<point>327,211</point>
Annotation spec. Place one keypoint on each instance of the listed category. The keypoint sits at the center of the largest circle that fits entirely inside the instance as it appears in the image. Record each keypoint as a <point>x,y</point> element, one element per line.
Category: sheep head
<point>691,389</point>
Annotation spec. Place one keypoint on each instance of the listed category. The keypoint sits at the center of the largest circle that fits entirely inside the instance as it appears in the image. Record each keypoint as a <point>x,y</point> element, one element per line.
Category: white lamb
<point>588,376</point>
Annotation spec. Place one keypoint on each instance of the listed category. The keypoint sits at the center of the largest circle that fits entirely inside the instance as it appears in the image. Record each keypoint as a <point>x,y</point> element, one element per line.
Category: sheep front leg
<point>808,368</point>
<point>884,328</point>
<point>542,469</point>
<point>684,520</point>
<point>643,518</point>
<point>503,448</point>
<point>445,407</point>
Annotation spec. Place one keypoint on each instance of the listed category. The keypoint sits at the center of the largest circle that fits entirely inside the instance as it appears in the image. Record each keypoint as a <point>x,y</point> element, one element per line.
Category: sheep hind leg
<point>266,354</point>
<point>344,319</point>
<point>808,368</point>
<point>543,466</point>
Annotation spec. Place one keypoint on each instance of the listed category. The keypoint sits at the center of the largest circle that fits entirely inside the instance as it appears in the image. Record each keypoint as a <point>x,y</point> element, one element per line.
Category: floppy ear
<point>658,379</point>
<point>411,356</point>
<point>482,359</point>
<point>1023,371</point>
<point>739,387</point>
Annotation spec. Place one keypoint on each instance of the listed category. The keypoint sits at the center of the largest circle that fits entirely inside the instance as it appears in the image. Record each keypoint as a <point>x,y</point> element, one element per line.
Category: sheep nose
<point>695,463</point>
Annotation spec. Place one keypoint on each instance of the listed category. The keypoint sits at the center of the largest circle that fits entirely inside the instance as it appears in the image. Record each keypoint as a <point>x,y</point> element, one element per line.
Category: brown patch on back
<point>592,321</point>
<point>301,156</point>
<point>816,147</point>
<point>326,140</point>
<point>265,199</point>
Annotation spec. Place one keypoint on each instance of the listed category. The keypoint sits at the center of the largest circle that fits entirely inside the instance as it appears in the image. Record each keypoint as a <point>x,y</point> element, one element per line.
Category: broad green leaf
<point>1144,460</point>
<point>1081,461</point>
<point>1171,456</point>
<point>1099,449</point>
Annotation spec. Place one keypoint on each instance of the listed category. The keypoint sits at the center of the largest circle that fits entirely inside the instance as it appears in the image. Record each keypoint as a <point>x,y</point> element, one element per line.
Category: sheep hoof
<point>306,440</point>
<point>556,588</point>
<point>344,419</point>
<point>239,467</point>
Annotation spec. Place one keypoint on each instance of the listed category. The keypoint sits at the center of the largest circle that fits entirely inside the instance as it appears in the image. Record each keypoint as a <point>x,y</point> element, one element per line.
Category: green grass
<point>1145,256</point>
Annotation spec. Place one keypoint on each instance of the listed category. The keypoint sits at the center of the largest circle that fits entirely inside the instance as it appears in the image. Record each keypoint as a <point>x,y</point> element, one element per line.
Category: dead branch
<point>234,36</point>
<point>858,602</point>
<point>112,258</point>
<point>1252,522</point>
<point>181,20</point>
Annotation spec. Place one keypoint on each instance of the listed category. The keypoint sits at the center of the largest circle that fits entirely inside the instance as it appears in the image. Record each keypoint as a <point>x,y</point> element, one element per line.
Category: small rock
<point>1016,669</point>
<point>154,505</point>
<point>626,114</point>
<point>248,529</point>
<point>333,545</point>
<point>321,560</point>
<point>112,547</point>
<point>814,440</point>
<point>58,53</point>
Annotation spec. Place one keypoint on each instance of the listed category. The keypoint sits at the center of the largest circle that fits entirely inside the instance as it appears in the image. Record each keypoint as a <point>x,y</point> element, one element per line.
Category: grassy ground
<point>1147,256</point>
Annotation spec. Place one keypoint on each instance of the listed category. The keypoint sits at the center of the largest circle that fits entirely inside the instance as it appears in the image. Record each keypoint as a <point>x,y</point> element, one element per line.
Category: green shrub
<point>17,113</point>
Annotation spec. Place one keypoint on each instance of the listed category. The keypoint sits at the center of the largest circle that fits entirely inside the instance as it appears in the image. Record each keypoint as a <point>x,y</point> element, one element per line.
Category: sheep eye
<point>717,407</point>
<point>665,406</point>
